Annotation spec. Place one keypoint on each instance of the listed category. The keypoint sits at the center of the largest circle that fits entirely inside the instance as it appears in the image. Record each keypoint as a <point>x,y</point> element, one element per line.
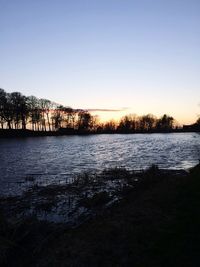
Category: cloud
<point>107,109</point>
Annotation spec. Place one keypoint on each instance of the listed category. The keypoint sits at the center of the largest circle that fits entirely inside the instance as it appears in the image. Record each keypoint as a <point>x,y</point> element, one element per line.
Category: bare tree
<point>84,120</point>
<point>2,107</point>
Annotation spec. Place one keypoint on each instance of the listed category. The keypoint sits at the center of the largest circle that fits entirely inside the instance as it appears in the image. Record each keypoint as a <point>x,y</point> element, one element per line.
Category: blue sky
<point>141,56</point>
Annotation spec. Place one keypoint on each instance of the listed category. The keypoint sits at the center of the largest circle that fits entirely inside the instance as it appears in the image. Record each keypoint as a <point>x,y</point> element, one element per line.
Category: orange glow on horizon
<point>105,116</point>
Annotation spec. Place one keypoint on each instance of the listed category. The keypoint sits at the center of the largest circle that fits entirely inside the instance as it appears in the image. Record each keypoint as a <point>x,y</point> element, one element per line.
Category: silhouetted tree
<point>125,124</point>
<point>57,117</point>
<point>19,111</point>
<point>34,112</point>
<point>84,120</point>
<point>110,126</point>
<point>45,105</point>
<point>94,123</point>
<point>69,117</point>
<point>165,123</point>
<point>3,101</point>
<point>147,122</point>
<point>8,111</point>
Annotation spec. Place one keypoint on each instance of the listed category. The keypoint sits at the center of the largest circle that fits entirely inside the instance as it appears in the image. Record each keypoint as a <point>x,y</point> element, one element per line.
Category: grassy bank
<point>156,223</point>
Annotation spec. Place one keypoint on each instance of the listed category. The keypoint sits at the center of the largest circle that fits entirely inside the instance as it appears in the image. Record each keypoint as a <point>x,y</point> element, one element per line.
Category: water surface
<point>56,159</point>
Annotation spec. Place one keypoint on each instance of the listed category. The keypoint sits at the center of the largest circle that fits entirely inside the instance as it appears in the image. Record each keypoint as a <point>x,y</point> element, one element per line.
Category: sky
<point>121,56</point>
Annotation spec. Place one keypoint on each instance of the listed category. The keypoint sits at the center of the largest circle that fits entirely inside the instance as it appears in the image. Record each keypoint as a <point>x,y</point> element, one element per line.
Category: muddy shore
<point>154,222</point>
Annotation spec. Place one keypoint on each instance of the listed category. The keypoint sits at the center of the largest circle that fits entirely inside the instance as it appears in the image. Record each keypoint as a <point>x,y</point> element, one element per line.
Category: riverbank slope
<point>155,225</point>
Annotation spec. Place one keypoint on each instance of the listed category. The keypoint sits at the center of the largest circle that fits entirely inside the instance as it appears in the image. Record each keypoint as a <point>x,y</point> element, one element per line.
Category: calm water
<point>56,159</point>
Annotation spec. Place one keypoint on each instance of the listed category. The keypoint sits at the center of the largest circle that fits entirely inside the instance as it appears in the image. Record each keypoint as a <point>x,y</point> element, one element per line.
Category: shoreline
<point>82,197</point>
<point>6,133</point>
<point>152,225</point>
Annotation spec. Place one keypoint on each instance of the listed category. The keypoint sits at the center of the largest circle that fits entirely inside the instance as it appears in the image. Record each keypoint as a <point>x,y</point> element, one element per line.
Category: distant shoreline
<point>9,133</point>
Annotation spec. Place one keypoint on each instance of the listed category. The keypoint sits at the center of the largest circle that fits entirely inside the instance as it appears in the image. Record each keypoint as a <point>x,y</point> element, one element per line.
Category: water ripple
<point>58,158</point>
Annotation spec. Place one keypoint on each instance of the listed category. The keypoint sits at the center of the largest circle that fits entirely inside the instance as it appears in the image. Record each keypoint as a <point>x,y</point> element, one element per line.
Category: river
<point>56,159</point>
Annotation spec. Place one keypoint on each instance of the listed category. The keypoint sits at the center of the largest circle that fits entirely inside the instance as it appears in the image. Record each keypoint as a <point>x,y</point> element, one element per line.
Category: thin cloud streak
<point>106,110</point>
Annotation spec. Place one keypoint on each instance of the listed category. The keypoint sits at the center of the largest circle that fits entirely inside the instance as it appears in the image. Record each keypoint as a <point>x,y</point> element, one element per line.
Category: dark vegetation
<point>75,200</point>
<point>156,223</point>
<point>23,116</point>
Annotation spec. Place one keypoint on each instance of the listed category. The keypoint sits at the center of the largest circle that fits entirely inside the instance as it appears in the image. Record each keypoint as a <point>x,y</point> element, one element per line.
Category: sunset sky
<point>127,56</point>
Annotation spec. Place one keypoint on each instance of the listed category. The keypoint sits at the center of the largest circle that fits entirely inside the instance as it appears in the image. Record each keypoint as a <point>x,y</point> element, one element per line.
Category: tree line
<point>21,112</point>
<point>29,112</point>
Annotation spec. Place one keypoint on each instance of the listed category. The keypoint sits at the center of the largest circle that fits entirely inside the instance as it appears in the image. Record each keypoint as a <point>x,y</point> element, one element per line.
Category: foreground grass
<point>155,225</point>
